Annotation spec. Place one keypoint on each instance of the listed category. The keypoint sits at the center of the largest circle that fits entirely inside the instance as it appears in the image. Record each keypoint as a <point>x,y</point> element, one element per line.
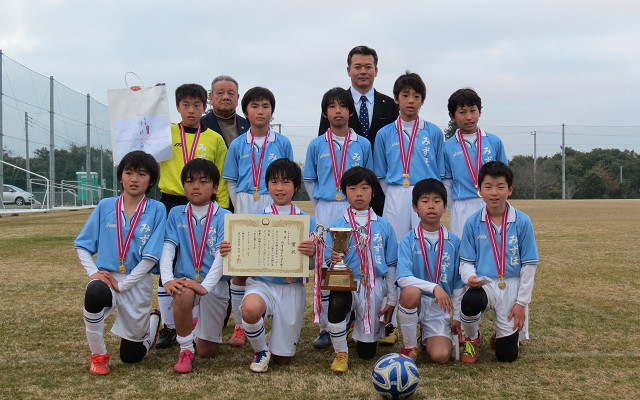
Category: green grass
<point>584,325</point>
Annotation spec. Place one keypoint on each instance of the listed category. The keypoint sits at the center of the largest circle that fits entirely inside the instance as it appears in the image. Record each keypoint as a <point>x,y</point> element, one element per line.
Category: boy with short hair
<point>406,151</point>
<point>126,232</point>
<point>244,169</point>
<point>282,299</point>
<point>429,277</point>
<point>464,154</point>
<point>328,157</point>
<point>373,267</point>
<point>196,230</point>
<point>190,139</point>
<point>498,243</point>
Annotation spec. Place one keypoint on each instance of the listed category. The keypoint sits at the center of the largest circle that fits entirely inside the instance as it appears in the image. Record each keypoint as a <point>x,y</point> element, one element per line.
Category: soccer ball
<point>395,376</point>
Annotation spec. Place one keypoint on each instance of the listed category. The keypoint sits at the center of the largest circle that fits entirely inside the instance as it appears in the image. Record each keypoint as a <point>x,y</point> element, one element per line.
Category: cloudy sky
<point>536,64</point>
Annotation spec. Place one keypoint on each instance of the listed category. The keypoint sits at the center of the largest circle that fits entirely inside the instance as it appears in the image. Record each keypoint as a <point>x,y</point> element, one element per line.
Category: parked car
<point>13,194</point>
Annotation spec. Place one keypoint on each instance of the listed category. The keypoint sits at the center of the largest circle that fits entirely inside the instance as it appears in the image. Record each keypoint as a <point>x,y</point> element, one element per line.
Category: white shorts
<point>433,321</point>
<point>398,209</point>
<point>212,311</point>
<point>247,205</point>
<point>134,305</point>
<point>327,212</point>
<point>502,301</point>
<point>285,305</point>
<point>358,304</point>
<point>461,210</point>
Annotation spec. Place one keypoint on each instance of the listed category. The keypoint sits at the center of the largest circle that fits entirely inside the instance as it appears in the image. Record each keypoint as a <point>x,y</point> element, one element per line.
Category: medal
<point>197,251</point>
<point>437,269</point>
<point>467,158</point>
<point>499,254</point>
<point>256,170</point>
<point>338,170</point>
<point>125,242</point>
<point>288,279</point>
<point>183,141</point>
<point>502,285</point>
<point>406,155</point>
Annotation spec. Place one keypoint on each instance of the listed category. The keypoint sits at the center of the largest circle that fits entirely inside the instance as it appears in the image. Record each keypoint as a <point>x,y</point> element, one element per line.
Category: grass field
<point>584,325</point>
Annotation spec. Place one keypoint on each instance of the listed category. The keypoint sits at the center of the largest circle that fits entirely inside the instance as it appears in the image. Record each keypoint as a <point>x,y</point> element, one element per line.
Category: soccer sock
<point>470,325</point>
<point>255,334</point>
<point>94,329</point>
<point>153,329</point>
<point>164,302</point>
<point>237,293</point>
<point>339,336</point>
<point>186,342</point>
<point>324,321</point>
<point>408,318</point>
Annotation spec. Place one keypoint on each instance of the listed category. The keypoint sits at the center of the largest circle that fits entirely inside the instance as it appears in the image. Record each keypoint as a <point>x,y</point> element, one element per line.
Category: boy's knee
<point>410,297</point>
<point>97,296</point>
<point>474,302</point>
<point>507,348</point>
<point>440,356</point>
<point>366,350</point>
<point>339,305</point>
<point>132,352</point>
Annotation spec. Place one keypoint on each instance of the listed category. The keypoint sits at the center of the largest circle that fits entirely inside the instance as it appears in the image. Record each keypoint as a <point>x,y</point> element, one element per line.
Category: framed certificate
<point>266,245</point>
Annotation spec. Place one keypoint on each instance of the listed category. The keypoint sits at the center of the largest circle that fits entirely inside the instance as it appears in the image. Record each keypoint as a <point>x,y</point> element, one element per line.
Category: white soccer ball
<point>395,376</point>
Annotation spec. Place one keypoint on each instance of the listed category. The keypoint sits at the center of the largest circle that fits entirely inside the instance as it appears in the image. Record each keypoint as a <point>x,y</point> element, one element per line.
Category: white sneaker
<point>260,361</point>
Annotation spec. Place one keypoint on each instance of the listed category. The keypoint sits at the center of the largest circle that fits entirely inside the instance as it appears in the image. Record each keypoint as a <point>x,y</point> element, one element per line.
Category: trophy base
<point>340,280</point>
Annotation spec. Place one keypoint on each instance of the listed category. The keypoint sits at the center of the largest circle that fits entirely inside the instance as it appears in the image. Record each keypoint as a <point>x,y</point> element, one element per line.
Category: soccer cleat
<point>323,340</point>
<point>238,339</point>
<point>470,353</point>
<point>156,312</point>
<point>340,363</point>
<point>185,362</point>
<point>166,338</point>
<point>260,361</point>
<point>391,335</point>
<point>412,353</point>
<point>100,364</point>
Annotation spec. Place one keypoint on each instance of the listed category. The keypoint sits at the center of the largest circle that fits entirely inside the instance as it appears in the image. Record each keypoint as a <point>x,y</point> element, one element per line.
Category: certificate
<point>266,245</point>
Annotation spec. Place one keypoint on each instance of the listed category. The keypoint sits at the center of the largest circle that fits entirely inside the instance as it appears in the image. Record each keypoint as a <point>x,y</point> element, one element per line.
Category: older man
<point>222,118</point>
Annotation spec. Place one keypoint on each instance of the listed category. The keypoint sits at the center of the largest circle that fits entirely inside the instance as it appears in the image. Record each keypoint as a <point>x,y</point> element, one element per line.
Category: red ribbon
<point>338,170</point>
<point>197,251</point>
<point>183,140</point>
<point>123,245</point>
<point>467,158</point>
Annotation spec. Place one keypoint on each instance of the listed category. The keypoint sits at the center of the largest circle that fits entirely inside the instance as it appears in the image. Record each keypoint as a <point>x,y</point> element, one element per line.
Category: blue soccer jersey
<point>318,168</point>
<point>427,160</point>
<point>312,227</point>
<point>237,165</point>
<point>383,245</point>
<point>177,234</point>
<point>411,262</point>
<point>99,235</point>
<point>455,166</point>
<point>475,246</point>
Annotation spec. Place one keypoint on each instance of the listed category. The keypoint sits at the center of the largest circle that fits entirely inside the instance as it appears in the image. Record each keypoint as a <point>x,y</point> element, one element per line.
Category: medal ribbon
<point>367,269</point>
<point>405,157</point>
<point>425,256</point>
<point>467,158</point>
<point>338,170</point>
<point>274,210</point>
<point>197,252</point>
<point>183,140</point>
<point>123,245</point>
<point>256,171</point>
<point>317,276</point>
<point>499,255</point>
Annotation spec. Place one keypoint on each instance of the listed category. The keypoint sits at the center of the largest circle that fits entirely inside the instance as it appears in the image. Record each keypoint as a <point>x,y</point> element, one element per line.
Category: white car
<point>13,194</point>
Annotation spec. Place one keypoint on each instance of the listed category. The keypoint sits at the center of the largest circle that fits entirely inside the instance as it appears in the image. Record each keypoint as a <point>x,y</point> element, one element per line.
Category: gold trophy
<point>339,276</point>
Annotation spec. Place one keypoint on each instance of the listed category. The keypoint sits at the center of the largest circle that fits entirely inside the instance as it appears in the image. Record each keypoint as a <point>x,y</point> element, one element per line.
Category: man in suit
<point>222,118</point>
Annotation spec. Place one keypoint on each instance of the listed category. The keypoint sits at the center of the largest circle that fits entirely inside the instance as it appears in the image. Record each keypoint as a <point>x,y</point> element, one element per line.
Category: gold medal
<point>256,196</point>
<point>502,285</point>
<point>122,269</point>
<point>338,196</point>
<point>289,279</point>
<point>406,183</point>
<point>478,191</point>
<point>198,278</point>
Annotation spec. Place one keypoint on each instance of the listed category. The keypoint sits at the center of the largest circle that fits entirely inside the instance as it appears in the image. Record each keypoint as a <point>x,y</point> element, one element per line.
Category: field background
<point>584,324</point>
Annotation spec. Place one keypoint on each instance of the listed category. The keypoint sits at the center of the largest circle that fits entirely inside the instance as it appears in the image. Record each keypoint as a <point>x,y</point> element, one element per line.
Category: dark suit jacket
<point>210,121</point>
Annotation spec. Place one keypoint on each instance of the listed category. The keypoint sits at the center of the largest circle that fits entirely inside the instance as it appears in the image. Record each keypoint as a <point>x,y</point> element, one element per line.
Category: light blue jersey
<point>455,166</point>
<point>177,234</point>
<point>475,247</point>
<point>318,168</point>
<point>383,245</point>
<point>427,160</point>
<point>237,165</point>
<point>411,263</point>
<point>99,235</point>
<point>312,227</point>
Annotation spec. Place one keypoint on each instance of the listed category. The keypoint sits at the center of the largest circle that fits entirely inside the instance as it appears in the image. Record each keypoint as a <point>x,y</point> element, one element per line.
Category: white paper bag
<point>140,121</point>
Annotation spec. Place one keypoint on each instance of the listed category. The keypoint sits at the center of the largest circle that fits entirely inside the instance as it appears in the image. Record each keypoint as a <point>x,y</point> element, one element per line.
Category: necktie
<point>364,116</point>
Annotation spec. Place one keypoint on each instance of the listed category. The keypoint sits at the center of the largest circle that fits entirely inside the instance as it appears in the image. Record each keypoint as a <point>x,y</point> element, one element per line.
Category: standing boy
<point>244,169</point>
<point>429,277</point>
<point>498,243</point>
<point>196,230</point>
<point>126,232</point>
<point>464,154</point>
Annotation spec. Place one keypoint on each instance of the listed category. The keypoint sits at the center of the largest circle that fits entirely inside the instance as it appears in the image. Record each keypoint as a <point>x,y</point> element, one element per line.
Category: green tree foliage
<point>451,130</point>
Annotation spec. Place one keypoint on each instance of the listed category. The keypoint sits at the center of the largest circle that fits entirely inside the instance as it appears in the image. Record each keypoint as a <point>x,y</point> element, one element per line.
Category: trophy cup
<point>339,276</point>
